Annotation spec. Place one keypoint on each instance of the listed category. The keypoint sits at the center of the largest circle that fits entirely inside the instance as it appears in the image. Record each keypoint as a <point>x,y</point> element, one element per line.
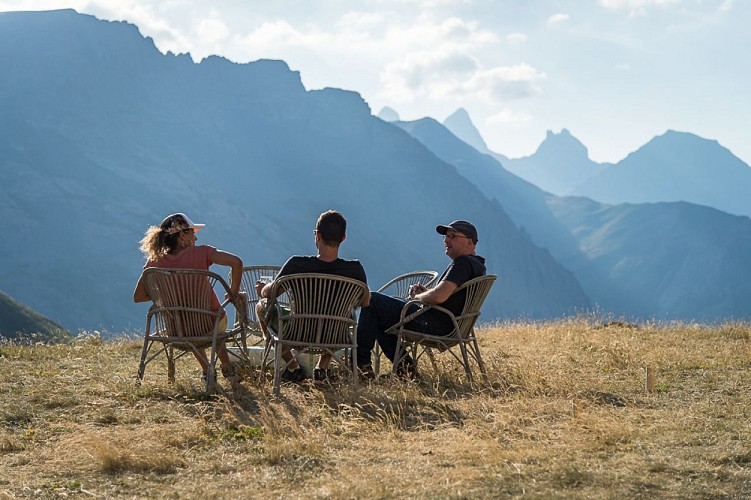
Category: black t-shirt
<point>310,264</point>
<point>461,270</point>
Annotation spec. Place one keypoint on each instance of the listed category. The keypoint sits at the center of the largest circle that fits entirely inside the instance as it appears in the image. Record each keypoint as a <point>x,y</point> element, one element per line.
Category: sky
<point>615,73</point>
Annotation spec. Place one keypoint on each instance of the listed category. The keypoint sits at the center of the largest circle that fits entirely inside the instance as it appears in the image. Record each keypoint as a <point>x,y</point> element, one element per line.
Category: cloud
<point>558,18</point>
<point>458,75</point>
<point>636,7</point>
<point>516,38</point>
<point>507,115</point>
<point>621,67</point>
<point>212,30</point>
<point>725,6</point>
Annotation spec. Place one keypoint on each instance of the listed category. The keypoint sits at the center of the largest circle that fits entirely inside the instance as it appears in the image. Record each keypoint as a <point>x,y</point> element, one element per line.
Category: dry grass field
<point>564,413</point>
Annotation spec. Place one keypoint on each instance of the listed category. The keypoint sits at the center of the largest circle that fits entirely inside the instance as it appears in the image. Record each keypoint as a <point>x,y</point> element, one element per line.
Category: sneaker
<point>296,376</point>
<point>321,376</point>
<point>366,372</point>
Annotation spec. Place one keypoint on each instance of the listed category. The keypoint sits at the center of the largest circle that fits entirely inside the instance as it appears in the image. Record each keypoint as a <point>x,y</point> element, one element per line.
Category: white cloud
<point>458,75</point>
<point>507,115</point>
<point>636,7</point>
<point>725,6</point>
<point>505,83</point>
<point>212,30</point>
<point>558,18</point>
<point>621,67</point>
<point>516,38</point>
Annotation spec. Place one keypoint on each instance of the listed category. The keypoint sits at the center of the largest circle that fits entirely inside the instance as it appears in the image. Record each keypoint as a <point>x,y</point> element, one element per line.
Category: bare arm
<point>140,294</point>
<point>437,295</point>
<point>233,261</point>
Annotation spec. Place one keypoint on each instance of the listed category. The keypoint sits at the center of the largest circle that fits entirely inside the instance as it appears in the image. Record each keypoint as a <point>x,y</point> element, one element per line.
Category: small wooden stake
<point>650,379</point>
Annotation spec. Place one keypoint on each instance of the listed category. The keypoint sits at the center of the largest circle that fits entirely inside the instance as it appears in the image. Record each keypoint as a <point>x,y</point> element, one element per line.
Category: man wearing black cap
<point>459,238</point>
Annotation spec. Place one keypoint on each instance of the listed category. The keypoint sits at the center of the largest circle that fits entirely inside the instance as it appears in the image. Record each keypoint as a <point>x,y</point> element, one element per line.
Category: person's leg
<point>323,361</point>
<point>203,360</point>
<point>382,313</point>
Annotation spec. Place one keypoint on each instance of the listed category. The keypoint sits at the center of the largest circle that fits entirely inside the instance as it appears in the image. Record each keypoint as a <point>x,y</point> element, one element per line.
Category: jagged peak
<point>562,141</point>
<point>460,124</point>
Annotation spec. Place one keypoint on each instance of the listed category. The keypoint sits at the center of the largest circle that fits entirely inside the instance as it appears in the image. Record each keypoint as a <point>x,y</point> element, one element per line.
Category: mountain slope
<point>664,261</point>
<point>560,163</point>
<point>19,321</point>
<point>676,166</point>
<point>101,136</point>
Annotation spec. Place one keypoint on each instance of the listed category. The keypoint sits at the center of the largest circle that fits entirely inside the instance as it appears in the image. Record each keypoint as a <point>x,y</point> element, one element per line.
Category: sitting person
<point>460,238</point>
<point>330,232</point>
<point>172,245</point>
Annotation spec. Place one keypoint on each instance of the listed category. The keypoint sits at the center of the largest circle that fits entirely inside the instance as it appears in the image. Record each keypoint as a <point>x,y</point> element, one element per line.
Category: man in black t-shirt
<point>330,232</point>
<point>460,238</point>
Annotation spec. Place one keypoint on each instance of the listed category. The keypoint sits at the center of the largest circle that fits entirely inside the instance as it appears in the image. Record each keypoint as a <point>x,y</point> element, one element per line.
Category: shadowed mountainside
<point>19,321</point>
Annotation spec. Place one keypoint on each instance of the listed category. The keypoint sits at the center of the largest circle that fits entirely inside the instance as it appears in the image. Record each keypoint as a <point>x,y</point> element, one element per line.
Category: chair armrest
<point>405,318</point>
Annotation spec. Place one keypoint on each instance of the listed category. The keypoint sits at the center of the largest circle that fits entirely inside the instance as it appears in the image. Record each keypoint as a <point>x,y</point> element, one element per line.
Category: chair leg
<point>278,370</point>
<point>480,362</point>
<point>142,364</point>
<point>467,369</point>
<point>432,359</point>
<point>377,359</point>
<point>399,354</point>
<point>353,366</point>
<point>170,364</point>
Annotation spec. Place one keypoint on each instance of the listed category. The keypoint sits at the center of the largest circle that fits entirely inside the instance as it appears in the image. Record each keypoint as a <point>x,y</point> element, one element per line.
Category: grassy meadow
<point>564,412</point>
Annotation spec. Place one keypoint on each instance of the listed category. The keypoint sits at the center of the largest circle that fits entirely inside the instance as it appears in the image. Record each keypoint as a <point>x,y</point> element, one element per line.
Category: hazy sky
<point>614,72</point>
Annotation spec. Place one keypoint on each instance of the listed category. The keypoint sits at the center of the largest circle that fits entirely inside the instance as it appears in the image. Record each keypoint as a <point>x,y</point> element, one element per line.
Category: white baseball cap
<point>179,222</point>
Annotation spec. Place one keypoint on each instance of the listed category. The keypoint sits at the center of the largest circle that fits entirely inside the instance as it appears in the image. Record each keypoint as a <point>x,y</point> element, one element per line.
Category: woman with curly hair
<point>172,245</point>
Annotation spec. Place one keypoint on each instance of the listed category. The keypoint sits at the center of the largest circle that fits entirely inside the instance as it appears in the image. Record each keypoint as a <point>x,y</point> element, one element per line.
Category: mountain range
<point>675,166</point>
<point>661,260</point>
<point>101,136</point>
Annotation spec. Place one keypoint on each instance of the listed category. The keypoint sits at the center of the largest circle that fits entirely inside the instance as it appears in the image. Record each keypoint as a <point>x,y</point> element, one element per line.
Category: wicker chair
<point>251,274</point>
<point>181,318</point>
<point>463,336</point>
<point>319,320</point>
<point>399,287</point>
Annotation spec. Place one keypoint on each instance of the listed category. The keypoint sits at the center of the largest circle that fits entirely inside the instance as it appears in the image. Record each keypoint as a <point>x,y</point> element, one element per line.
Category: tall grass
<point>564,411</point>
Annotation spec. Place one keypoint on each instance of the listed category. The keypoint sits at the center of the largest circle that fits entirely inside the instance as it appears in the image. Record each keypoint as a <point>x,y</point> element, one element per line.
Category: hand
<point>415,289</point>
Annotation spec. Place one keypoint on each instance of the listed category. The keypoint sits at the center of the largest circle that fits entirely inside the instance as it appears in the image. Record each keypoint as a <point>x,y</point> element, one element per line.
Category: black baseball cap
<point>466,228</point>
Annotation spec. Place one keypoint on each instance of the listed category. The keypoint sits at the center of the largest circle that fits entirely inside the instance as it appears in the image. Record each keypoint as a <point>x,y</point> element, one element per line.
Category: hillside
<point>564,413</point>
<point>20,322</point>
<point>101,136</point>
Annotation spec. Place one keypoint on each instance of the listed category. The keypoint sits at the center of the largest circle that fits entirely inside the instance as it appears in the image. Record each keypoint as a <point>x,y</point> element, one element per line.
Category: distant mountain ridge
<point>651,261</point>
<point>676,166</point>
<point>560,163</point>
<point>101,136</point>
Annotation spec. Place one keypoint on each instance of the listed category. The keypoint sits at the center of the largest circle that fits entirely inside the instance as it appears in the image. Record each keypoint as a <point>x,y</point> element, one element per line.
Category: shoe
<point>407,369</point>
<point>321,376</point>
<point>366,372</point>
<point>296,376</point>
